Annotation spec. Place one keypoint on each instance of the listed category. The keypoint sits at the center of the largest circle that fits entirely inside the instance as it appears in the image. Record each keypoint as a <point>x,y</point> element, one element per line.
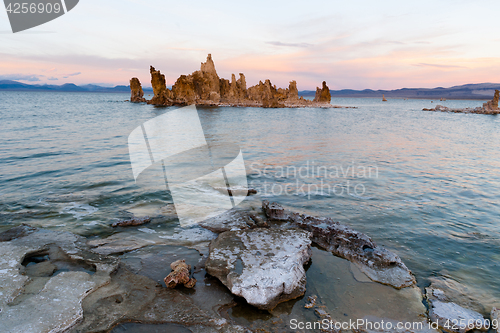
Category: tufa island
<point>490,107</point>
<point>205,87</point>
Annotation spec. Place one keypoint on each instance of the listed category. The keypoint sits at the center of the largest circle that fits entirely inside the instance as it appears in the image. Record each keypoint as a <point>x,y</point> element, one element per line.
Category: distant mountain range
<point>68,87</point>
<point>482,91</point>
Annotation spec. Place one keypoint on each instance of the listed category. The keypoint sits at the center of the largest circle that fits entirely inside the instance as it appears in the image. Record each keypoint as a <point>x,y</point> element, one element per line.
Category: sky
<point>353,44</point>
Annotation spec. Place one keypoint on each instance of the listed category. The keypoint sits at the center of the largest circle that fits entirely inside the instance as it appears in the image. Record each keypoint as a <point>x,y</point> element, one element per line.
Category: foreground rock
<point>51,282</point>
<point>378,263</point>
<point>205,87</point>
<point>264,266</point>
<point>180,275</point>
<point>44,276</point>
<point>137,95</point>
<point>452,317</point>
<point>490,107</point>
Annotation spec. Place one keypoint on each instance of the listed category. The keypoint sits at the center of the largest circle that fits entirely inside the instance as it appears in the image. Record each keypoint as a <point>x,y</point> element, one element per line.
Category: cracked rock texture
<point>46,293</point>
<point>378,263</point>
<point>264,266</point>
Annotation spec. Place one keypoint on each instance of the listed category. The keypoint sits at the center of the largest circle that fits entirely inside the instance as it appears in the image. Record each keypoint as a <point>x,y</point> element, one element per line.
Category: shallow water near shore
<point>423,184</point>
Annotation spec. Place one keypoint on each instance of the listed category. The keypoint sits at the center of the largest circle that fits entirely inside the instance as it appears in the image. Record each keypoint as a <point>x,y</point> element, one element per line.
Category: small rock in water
<point>180,275</point>
<point>132,222</point>
<point>312,301</point>
<point>16,232</point>
<point>238,191</point>
<point>322,313</point>
<point>276,275</point>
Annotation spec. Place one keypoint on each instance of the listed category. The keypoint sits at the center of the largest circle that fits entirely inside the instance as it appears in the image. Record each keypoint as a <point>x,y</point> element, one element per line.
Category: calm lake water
<point>423,184</point>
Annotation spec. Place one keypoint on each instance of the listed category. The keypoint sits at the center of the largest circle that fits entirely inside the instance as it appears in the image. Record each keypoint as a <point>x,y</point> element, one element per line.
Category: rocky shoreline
<point>206,88</point>
<point>54,281</point>
<point>490,107</point>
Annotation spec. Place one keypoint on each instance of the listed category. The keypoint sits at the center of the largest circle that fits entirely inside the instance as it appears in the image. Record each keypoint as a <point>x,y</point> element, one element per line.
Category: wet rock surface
<point>264,266</point>
<point>53,282</point>
<point>463,295</point>
<point>44,267</point>
<point>16,232</point>
<point>378,263</point>
<point>104,284</point>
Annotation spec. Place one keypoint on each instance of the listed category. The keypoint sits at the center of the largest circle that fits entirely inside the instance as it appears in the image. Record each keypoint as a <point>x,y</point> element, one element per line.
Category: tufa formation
<point>492,106</point>
<point>205,87</point>
<point>136,91</point>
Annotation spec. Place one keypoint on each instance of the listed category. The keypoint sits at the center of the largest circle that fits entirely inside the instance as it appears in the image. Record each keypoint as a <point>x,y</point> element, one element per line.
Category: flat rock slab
<point>34,296</point>
<point>378,263</point>
<point>264,266</point>
<point>452,317</point>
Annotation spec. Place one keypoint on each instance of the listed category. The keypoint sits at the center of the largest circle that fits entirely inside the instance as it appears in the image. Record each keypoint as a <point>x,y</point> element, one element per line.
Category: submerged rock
<point>378,263</point>
<point>264,266</point>
<point>132,222</point>
<point>137,95</point>
<point>467,296</point>
<point>452,317</point>
<point>17,232</point>
<point>180,275</point>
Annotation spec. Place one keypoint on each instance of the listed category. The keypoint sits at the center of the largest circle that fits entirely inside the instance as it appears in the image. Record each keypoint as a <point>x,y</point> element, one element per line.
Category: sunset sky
<point>350,44</point>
